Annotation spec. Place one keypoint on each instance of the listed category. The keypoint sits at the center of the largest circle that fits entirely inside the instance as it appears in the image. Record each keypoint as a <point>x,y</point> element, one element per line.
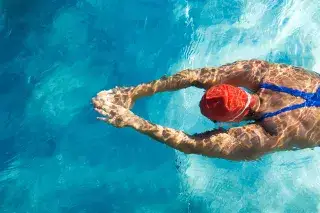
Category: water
<point>55,55</point>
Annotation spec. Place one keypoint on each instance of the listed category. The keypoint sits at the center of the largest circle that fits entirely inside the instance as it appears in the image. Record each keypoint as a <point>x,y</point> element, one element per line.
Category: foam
<point>279,185</point>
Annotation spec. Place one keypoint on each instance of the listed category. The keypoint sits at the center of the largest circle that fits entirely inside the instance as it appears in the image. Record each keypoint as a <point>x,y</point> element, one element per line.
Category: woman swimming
<point>284,104</point>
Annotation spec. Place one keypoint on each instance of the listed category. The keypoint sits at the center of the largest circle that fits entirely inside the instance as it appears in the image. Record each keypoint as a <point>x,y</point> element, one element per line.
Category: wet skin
<point>291,130</point>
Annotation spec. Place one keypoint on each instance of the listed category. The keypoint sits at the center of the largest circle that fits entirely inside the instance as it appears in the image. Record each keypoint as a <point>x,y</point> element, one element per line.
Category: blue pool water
<point>55,55</point>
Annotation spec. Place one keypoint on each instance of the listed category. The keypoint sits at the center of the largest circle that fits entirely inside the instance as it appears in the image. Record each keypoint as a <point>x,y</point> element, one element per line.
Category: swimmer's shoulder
<point>273,68</point>
<point>252,61</point>
<point>301,70</point>
<point>289,68</point>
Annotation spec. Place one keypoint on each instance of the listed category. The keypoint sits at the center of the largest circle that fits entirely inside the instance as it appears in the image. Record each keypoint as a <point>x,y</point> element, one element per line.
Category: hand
<point>121,96</point>
<point>116,115</point>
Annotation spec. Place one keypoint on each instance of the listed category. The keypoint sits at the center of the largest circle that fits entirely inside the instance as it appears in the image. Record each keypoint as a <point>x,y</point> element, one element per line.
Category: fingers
<point>119,96</point>
<point>111,106</point>
<point>110,110</point>
<point>110,121</point>
<point>106,92</point>
<point>102,112</point>
<point>114,106</point>
<point>115,115</point>
<point>96,103</point>
<point>103,119</point>
<point>115,121</point>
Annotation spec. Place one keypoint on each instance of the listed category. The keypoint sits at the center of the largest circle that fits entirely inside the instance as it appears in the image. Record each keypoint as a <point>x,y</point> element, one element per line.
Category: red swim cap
<point>225,103</point>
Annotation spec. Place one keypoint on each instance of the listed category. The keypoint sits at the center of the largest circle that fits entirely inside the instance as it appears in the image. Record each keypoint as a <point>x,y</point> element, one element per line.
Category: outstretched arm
<point>242,143</point>
<point>247,73</point>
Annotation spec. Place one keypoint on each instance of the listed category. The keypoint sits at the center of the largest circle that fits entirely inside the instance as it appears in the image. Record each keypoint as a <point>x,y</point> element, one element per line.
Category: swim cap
<point>226,103</point>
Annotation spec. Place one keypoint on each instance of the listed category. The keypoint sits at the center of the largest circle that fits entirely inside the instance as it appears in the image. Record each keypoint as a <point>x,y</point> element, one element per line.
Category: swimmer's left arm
<point>180,80</point>
<point>126,96</point>
<point>248,73</point>
<point>244,73</point>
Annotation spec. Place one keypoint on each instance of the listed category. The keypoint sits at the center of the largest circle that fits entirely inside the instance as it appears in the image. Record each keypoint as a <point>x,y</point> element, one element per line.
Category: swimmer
<point>283,102</point>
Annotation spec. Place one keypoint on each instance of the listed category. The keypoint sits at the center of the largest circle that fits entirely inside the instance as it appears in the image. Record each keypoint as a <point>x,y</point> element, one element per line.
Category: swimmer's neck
<point>257,103</point>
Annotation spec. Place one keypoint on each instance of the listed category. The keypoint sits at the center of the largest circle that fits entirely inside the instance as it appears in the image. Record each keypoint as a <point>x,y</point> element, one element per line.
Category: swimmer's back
<point>300,127</point>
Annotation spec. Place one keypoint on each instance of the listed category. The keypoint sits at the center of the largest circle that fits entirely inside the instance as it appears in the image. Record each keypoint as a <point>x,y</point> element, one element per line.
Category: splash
<point>264,30</point>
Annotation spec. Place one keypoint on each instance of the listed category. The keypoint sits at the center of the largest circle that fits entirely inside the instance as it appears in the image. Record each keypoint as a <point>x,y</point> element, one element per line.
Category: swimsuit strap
<point>293,92</point>
<point>312,99</point>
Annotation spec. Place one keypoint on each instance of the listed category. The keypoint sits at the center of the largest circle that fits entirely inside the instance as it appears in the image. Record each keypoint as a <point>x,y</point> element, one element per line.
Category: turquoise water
<point>56,55</point>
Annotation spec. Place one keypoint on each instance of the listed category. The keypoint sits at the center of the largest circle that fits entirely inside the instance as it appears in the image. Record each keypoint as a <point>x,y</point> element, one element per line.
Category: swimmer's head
<point>226,103</point>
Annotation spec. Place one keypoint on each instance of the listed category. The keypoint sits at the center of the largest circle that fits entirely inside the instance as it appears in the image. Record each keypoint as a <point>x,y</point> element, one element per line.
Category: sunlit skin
<point>291,130</point>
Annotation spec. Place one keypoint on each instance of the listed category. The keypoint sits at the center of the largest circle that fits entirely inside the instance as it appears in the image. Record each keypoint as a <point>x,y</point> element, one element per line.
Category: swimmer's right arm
<point>246,73</point>
<point>242,143</point>
<point>237,144</point>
